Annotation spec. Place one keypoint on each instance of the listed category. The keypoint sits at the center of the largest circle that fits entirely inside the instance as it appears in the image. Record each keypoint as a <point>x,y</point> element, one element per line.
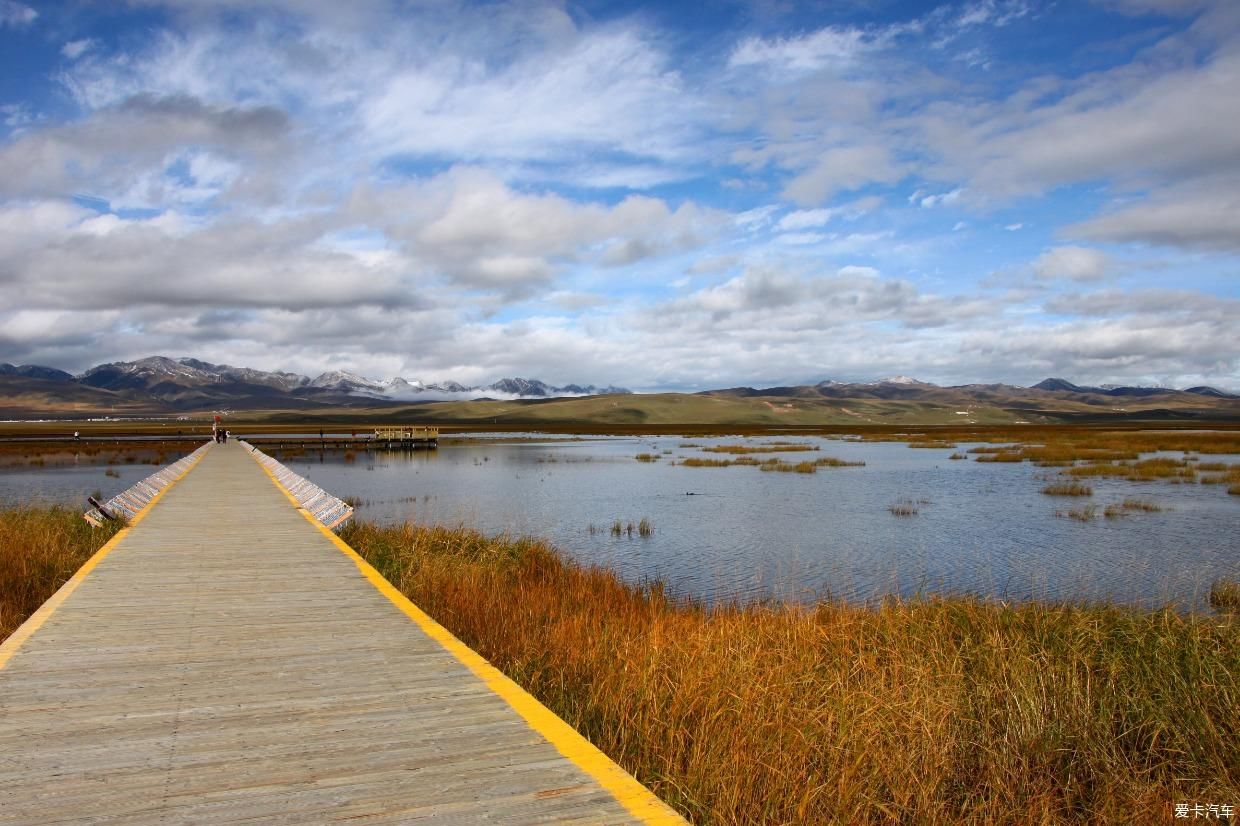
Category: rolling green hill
<point>669,409</point>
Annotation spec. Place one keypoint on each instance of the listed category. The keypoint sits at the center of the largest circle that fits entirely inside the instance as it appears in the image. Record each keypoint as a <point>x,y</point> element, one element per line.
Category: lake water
<point>744,533</point>
<point>981,528</point>
<point>100,470</point>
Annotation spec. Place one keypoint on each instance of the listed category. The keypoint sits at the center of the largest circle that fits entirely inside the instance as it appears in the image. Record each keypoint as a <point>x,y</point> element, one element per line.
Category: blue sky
<point>663,196</point>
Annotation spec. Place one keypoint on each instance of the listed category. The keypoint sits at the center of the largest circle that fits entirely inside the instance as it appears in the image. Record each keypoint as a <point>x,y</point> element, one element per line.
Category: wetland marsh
<point>1136,517</point>
<point>722,529</point>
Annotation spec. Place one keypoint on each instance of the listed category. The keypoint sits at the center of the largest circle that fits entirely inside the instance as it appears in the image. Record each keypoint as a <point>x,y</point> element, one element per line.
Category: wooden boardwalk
<point>228,660</point>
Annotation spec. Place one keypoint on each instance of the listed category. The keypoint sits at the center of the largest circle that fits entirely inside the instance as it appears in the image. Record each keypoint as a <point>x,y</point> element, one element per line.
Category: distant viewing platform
<point>386,438</point>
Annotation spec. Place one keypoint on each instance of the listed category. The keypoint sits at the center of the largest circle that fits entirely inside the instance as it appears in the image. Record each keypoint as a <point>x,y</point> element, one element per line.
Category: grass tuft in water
<point>1001,456</point>
<point>785,467</point>
<point>772,447</point>
<point>831,461</point>
<point>1225,595</point>
<point>694,461</point>
<point>1068,489</point>
<point>1085,514</point>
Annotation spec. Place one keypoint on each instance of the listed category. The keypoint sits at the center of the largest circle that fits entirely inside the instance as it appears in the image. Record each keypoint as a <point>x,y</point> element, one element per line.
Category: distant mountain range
<point>158,385</point>
<point>904,400</point>
<point>187,384</point>
<point>903,387</point>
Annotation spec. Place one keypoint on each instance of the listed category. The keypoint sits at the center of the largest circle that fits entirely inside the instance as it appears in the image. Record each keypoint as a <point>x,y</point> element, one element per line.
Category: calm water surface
<point>67,479</point>
<point>985,528</point>
<point>982,528</point>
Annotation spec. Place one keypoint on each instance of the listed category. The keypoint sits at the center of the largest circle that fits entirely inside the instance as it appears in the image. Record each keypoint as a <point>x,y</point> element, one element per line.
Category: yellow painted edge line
<point>640,801</point>
<point>35,621</point>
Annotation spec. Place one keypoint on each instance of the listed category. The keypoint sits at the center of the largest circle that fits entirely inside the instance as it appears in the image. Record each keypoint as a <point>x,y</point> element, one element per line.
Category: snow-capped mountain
<point>905,380</point>
<point>345,382</point>
<point>188,378</point>
<point>186,372</point>
<point>533,388</point>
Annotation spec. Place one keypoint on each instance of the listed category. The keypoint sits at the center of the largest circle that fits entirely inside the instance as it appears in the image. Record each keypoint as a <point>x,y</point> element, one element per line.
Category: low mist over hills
<point>159,385</point>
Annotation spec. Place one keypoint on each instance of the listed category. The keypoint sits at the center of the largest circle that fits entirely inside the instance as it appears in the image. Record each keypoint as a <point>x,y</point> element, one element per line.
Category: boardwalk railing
<point>329,510</point>
<point>127,503</point>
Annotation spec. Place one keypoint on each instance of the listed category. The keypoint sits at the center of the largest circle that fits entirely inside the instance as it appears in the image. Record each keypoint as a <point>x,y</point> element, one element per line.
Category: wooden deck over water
<point>226,659</point>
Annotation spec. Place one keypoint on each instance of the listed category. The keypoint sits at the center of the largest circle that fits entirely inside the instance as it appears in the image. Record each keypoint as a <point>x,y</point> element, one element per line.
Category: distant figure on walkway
<point>76,436</point>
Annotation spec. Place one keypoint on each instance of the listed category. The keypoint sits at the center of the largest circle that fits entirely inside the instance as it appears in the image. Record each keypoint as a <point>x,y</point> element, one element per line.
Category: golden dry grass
<point>1141,505</point>
<point>1147,470</point>
<point>40,548</point>
<point>831,461</point>
<point>694,461</point>
<point>932,711</point>
<point>786,467</point>
<point>1129,506</point>
<point>1225,595</point>
<point>1073,443</point>
<point>1000,456</point>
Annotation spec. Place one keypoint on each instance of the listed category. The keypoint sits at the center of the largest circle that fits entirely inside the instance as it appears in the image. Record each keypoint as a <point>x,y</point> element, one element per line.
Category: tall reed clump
<point>40,548</point>
<point>928,711</point>
<point>1225,595</point>
<point>693,461</point>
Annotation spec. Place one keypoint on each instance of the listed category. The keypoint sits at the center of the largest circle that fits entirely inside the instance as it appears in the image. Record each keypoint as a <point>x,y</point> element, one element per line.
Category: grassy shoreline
<point>40,549</point>
<point>937,710</point>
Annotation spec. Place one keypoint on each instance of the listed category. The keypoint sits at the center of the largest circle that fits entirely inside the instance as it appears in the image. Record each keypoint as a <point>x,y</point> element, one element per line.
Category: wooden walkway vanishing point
<point>227,659</point>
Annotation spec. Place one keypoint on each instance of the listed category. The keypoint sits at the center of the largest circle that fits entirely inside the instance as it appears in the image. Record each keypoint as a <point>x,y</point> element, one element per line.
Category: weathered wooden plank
<point>227,663</point>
